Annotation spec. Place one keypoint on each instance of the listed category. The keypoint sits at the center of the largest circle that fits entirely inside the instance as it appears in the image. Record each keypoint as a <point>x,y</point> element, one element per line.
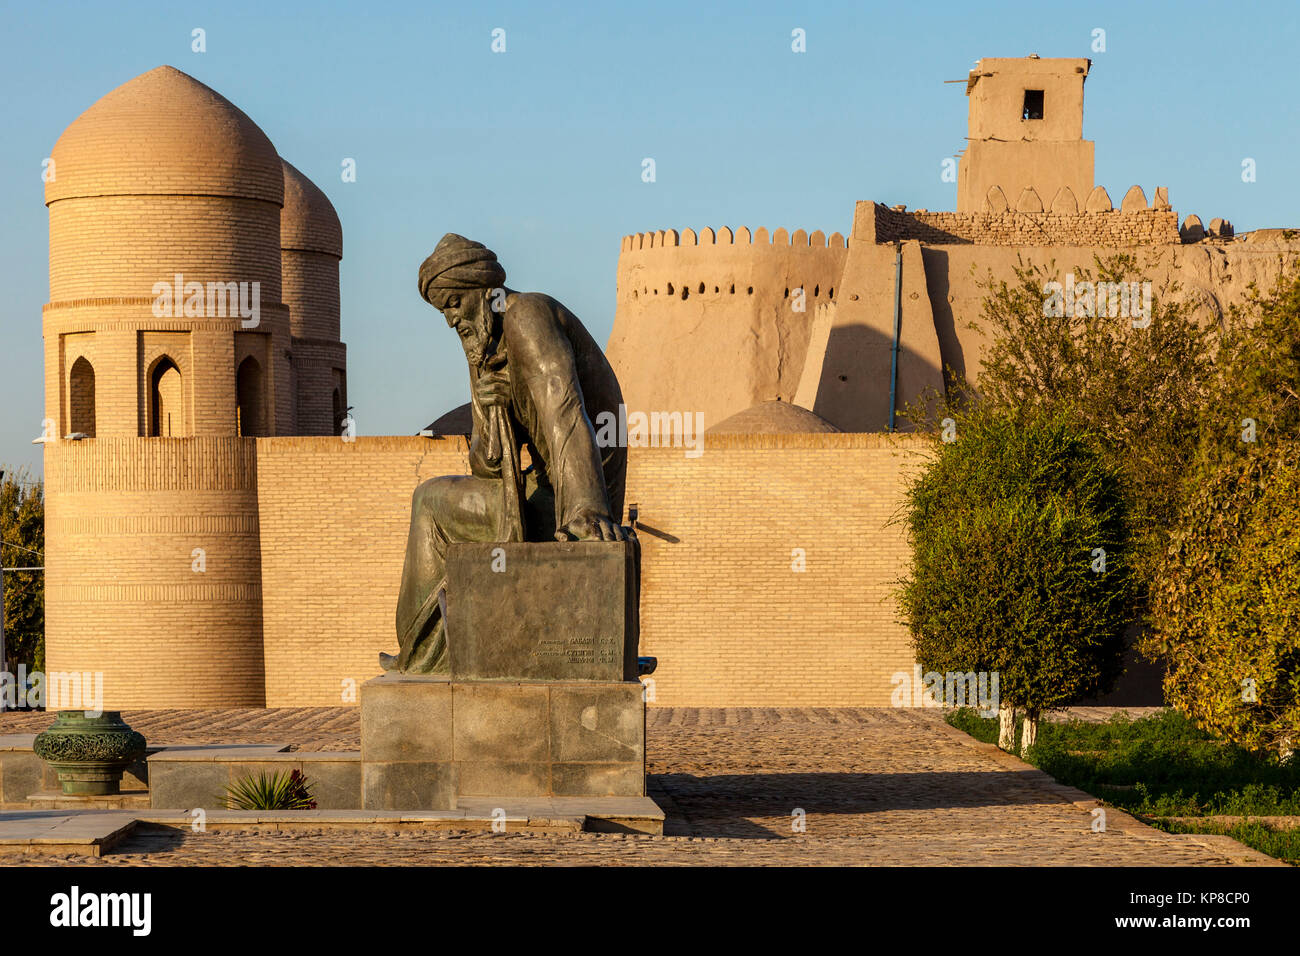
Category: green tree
<point>1019,561</point>
<point>22,530</point>
<point>1254,397</point>
<point>1140,387</point>
<point>1226,596</point>
<point>1227,604</point>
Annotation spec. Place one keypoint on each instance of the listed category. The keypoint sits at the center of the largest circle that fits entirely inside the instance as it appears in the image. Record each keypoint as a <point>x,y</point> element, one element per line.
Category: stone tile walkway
<point>869,786</point>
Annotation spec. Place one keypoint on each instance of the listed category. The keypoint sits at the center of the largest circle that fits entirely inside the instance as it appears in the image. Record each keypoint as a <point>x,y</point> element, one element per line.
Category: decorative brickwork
<point>152,569</point>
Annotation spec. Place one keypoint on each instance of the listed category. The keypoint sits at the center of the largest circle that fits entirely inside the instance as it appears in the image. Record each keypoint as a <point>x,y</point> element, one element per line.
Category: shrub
<point>1226,598</point>
<point>1004,525</point>
<point>22,528</point>
<point>1227,604</point>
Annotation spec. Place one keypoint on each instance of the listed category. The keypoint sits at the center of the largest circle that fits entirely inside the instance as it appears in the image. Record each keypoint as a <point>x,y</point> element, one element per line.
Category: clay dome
<point>772,418</point>
<point>458,421</point>
<point>165,133</point>
<point>308,220</point>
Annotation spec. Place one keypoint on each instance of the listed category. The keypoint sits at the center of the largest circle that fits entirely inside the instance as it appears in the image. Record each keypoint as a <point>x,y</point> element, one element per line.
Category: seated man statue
<point>538,378</point>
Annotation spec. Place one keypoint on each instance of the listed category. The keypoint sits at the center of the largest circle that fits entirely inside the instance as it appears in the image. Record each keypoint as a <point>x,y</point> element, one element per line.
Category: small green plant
<point>281,791</point>
<point>1157,766</point>
<point>1282,844</point>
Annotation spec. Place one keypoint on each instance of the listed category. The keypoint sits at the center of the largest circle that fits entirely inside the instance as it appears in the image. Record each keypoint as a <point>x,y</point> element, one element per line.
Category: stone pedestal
<point>543,610</point>
<point>427,741</point>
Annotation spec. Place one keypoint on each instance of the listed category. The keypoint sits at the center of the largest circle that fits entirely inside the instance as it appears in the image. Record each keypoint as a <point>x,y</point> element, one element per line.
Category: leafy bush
<point>1257,379</point>
<point>1227,604</point>
<point>1226,599</point>
<point>22,528</point>
<point>1004,523</point>
<point>282,791</point>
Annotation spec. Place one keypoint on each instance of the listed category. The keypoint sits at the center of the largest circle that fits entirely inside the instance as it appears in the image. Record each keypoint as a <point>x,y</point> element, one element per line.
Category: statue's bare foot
<point>388,661</point>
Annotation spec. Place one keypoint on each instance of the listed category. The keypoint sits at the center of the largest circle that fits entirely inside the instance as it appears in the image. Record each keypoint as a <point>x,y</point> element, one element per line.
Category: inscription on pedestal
<point>543,611</point>
<point>578,650</point>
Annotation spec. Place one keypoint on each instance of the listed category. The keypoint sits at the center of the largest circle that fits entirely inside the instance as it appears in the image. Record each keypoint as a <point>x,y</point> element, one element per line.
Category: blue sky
<point>537,151</point>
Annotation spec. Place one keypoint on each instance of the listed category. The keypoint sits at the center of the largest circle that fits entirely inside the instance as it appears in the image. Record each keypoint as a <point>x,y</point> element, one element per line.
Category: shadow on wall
<point>936,280</point>
<point>854,384</point>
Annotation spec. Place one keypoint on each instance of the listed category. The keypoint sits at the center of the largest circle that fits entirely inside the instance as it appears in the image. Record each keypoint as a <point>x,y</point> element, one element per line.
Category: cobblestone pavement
<point>308,728</point>
<point>875,786</point>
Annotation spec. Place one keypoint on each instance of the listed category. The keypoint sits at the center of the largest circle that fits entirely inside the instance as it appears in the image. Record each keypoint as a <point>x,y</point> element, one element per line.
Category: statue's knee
<point>426,495</point>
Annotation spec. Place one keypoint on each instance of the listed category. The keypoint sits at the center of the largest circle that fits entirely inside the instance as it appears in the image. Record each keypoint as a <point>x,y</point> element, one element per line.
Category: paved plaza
<point>875,786</point>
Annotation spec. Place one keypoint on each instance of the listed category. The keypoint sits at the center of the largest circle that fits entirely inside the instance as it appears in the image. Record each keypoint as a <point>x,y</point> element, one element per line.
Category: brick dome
<point>308,221</point>
<point>772,418</point>
<point>458,421</point>
<point>165,133</point>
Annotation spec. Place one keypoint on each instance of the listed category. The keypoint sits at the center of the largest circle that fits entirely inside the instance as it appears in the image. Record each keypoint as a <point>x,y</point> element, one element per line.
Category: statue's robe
<point>560,381</point>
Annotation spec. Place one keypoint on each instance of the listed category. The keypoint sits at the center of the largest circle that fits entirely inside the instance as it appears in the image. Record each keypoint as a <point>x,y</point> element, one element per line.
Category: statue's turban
<point>460,263</point>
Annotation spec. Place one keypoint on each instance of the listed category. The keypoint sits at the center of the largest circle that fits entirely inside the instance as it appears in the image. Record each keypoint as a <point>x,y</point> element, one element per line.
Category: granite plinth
<point>551,610</point>
<point>428,743</point>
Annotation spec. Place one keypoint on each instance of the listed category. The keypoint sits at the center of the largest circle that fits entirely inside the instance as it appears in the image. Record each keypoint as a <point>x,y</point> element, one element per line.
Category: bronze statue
<point>538,378</point>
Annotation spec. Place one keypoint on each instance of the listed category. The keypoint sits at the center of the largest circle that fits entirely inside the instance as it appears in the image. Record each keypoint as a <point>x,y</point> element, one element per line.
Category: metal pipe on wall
<point>898,324</point>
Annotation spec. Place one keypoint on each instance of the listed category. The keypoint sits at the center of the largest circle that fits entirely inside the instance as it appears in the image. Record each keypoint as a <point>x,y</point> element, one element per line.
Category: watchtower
<point>1025,130</point>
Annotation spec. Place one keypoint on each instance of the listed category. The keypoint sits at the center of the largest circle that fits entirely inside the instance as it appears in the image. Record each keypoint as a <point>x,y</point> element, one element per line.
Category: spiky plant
<point>281,791</point>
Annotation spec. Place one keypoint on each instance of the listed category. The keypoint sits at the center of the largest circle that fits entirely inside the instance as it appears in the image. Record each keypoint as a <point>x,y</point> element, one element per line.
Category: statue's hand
<point>591,527</point>
<point>493,387</point>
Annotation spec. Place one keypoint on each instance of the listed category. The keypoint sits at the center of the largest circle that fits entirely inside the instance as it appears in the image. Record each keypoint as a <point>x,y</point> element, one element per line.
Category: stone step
<point>58,800</point>
<point>95,832</point>
<point>60,832</point>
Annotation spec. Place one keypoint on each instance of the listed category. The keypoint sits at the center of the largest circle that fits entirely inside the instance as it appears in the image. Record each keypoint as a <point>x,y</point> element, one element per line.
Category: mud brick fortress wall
<point>721,607</point>
<point>734,310</point>
<point>1011,228</point>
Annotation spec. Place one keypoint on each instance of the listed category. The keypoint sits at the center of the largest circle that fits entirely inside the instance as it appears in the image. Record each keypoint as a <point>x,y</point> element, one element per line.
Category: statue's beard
<point>480,345</point>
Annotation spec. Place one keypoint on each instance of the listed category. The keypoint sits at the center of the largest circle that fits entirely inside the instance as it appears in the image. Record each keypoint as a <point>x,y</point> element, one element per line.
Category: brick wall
<point>333,538</point>
<point>729,619</point>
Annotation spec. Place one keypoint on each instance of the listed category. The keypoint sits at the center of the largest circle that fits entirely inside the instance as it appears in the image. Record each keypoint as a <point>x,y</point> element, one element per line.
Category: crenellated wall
<point>717,322</point>
<point>1028,228</point>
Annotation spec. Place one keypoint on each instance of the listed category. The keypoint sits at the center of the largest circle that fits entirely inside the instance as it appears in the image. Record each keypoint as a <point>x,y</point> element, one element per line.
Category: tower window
<point>1033,105</point>
<point>166,401</point>
<point>250,412</point>
<point>82,394</point>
